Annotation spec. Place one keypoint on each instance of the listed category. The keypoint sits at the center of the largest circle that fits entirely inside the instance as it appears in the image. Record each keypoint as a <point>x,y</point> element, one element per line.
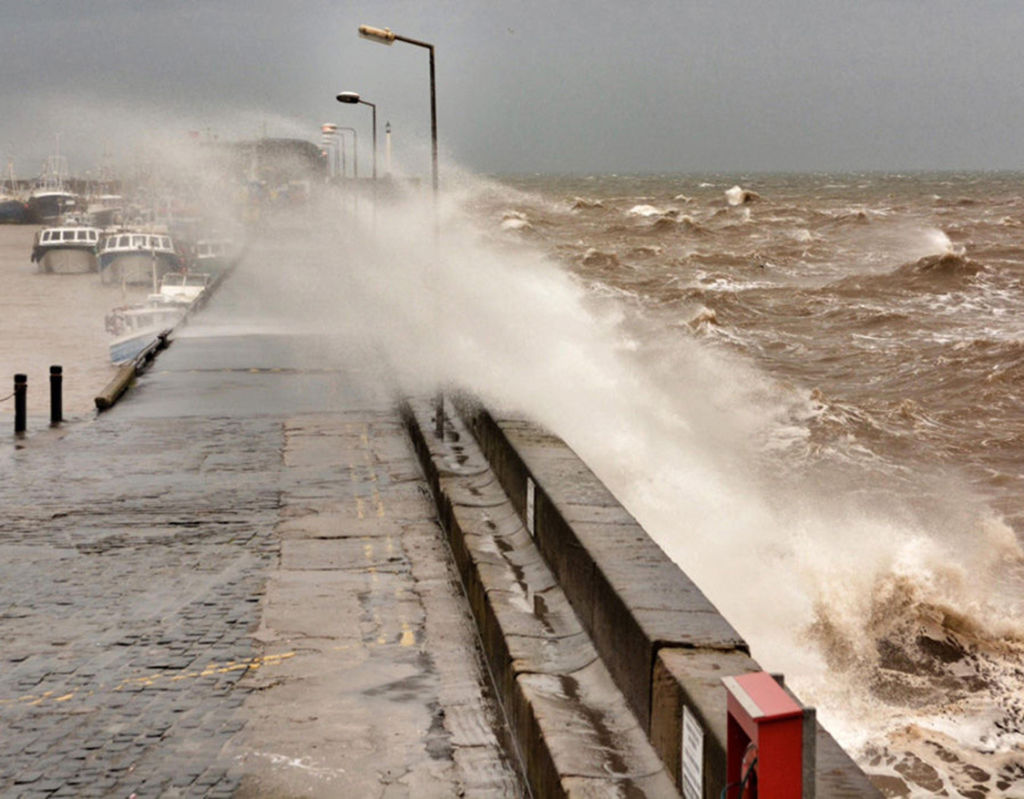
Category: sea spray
<point>717,460</point>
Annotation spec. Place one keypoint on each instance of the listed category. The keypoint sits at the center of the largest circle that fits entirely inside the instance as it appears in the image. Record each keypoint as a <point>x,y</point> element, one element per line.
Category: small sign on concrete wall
<point>531,501</point>
<point>692,756</point>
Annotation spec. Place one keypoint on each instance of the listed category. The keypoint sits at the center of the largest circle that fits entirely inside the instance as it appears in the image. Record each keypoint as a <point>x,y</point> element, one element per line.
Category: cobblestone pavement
<point>210,591</point>
<point>130,586</point>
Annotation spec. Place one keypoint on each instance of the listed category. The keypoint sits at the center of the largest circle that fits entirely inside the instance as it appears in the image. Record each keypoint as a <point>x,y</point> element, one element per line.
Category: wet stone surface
<point>132,561</point>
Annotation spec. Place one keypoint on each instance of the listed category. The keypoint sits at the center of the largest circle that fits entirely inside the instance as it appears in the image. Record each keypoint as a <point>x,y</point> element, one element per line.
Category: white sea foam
<point>644,210</point>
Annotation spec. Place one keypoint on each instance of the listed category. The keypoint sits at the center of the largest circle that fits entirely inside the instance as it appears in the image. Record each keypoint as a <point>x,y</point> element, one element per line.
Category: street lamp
<point>389,37</point>
<point>353,97</point>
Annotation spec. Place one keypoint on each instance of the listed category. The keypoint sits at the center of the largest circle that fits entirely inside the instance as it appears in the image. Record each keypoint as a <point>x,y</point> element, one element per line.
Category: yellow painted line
<point>151,679</point>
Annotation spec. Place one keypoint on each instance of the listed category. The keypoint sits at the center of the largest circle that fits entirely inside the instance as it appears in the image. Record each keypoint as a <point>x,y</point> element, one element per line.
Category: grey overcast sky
<point>532,85</point>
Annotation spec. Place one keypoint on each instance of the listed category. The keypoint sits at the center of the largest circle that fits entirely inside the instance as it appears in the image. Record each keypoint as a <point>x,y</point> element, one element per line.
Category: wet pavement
<point>234,584</point>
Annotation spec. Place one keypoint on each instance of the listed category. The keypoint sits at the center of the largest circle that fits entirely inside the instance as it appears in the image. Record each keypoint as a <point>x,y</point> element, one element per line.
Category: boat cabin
<point>69,237</point>
<point>132,242</point>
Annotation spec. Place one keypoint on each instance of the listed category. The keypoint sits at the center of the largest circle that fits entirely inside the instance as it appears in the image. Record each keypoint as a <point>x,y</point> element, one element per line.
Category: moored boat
<point>67,249</point>
<point>214,256</point>
<point>105,209</point>
<point>49,199</point>
<point>137,326</point>
<point>183,287</point>
<point>13,210</point>
<point>137,257</point>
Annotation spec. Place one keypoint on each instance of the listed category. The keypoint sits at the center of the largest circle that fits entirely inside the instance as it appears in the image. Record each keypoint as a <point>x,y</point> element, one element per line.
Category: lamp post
<point>389,37</point>
<point>355,148</point>
<point>387,148</point>
<point>353,97</point>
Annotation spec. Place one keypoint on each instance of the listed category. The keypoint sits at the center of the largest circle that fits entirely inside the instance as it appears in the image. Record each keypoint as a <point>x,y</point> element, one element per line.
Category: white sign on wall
<point>531,491</point>
<point>692,756</point>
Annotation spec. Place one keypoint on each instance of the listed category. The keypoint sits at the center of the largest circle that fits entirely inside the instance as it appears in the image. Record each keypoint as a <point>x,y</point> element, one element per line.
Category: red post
<point>765,740</point>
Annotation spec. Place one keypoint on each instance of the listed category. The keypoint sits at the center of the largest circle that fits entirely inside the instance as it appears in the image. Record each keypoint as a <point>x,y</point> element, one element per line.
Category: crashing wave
<point>738,195</point>
<point>583,203</point>
<point>596,257</point>
<point>515,220</point>
<point>703,319</point>
<point>645,251</point>
<point>948,267</point>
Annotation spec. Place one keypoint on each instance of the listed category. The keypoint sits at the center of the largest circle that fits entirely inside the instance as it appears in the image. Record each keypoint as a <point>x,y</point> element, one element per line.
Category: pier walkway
<point>262,575</point>
<point>233,583</point>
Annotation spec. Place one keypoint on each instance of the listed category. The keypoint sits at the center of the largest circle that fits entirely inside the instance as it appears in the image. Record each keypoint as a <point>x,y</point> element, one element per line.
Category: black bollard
<point>20,392</point>
<point>56,400</point>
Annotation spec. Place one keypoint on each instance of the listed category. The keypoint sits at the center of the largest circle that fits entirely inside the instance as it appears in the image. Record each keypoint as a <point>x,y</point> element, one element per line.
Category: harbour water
<point>52,319</point>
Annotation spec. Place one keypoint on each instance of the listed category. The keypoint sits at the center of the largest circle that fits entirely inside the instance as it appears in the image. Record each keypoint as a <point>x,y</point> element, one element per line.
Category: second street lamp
<point>352,98</point>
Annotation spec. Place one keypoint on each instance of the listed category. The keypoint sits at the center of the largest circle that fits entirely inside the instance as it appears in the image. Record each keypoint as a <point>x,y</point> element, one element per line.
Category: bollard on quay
<point>56,400</point>
<point>20,392</point>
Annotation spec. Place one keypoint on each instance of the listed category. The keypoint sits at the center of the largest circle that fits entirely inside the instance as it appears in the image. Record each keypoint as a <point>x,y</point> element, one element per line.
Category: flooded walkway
<point>233,584</point>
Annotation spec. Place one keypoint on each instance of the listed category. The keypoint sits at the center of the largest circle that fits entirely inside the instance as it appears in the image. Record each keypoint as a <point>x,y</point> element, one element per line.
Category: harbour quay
<point>263,574</point>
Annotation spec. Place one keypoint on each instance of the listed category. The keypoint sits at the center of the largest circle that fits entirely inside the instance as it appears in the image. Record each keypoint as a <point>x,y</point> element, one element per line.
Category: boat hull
<point>68,261</point>
<point>48,208</point>
<point>128,347</point>
<point>13,212</point>
<point>142,268</point>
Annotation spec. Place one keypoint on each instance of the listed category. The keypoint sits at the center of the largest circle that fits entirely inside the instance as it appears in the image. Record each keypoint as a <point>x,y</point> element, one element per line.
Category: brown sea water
<point>836,451</point>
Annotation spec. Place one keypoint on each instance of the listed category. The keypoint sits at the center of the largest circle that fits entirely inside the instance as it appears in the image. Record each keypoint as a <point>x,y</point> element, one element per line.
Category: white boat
<point>137,257</point>
<point>183,287</point>
<point>135,327</point>
<point>105,209</point>
<point>67,249</point>
<point>215,255</point>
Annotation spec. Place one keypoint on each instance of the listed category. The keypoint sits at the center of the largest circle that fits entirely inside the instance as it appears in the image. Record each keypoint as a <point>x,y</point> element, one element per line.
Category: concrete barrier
<point>573,729</point>
<point>665,644</point>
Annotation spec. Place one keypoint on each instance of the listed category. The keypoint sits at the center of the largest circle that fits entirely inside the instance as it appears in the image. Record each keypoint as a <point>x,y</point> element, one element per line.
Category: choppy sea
<point>818,411</point>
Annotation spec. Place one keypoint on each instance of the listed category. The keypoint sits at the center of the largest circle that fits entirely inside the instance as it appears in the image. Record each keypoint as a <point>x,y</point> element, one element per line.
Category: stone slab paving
<point>207,597</point>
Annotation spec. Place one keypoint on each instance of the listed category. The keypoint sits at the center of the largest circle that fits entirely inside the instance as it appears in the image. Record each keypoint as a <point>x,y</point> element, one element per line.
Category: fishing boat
<point>135,327</point>
<point>13,210</point>
<point>49,198</point>
<point>105,209</point>
<point>67,249</point>
<point>137,257</point>
<point>183,287</point>
<point>214,256</point>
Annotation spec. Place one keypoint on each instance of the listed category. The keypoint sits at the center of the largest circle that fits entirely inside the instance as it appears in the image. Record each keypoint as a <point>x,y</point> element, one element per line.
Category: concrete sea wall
<point>660,641</point>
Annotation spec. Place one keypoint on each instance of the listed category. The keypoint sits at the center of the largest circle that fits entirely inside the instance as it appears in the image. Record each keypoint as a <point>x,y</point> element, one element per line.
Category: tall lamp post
<point>355,148</point>
<point>389,37</point>
<point>353,97</point>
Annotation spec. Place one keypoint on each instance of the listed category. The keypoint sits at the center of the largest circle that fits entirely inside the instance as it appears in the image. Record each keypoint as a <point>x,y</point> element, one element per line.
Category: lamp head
<point>348,97</point>
<point>381,35</point>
